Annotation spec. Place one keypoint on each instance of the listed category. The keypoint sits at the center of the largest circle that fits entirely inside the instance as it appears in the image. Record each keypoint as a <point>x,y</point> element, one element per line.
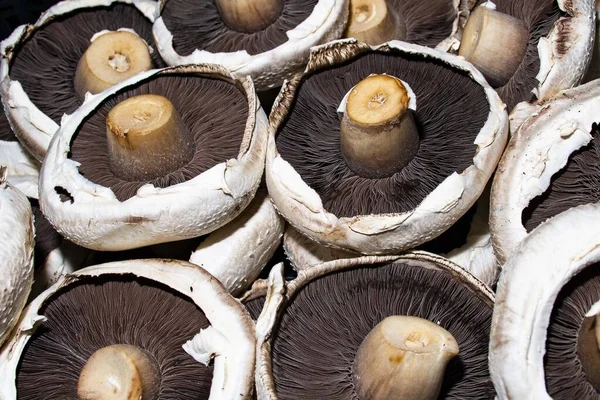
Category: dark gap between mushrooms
<point>198,25</point>
<point>568,375</point>
<point>46,238</point>
<point>453,238</point>
<point>113,309</point>
<point>576,184</point>
<point>451,110</point>
<point>45,64</point>
<point>325,322</point>
<point>6,133</point>
<point>216,124</point>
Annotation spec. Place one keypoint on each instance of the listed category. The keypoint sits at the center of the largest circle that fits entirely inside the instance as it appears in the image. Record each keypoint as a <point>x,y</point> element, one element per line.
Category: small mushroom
<point>542,345</point>
<point>376,328</point>
<point>428,23</point>
<point>147,161</point>
<point>268,40</point>
<point>549,165</point>
<point>172,318</point>
<point>16,253</point>
<point>354,171</point>
<point>530,51</point>
<point>74,47</point>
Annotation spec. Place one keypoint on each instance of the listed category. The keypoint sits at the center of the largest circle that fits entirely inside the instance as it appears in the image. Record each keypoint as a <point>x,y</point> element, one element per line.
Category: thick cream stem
<point>249,15</point>
<point>403,358</point>
<point>373,22</point>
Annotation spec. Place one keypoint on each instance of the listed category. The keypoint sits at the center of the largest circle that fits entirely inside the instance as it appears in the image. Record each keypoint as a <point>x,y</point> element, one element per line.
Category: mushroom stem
<point>372,22</point>
<point>119,372</point>
<point>111,58</point>
<point>249,15</point>
<point>146,138</point>
<point>588,349</point>
<point>494,43</point>
<point>403,358</point>
<point>378,132</point>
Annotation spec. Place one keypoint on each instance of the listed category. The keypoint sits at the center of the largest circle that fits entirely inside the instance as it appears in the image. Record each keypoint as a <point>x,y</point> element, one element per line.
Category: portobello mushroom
<point>268,40</point>
<point>16,253</point>
<point>318,332</point>
<point>173,317</point>
<point>74,47</point>
<point>530,50</point>
<point>340,184</point>
<point>169,155</point>
<point>549,166</point>
<point>594,68</point>
<point>430,23</point>
<point>543,343</point>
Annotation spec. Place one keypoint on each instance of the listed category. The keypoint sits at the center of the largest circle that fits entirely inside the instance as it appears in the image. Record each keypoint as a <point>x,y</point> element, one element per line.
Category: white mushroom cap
<point>326,22</point>
<point>540,148</point>
<point>380,234</point>
<point>527,289</point>
<point>16,253</point>
<point>230,338</point>
<point>594,68</point>
<point>34,128</point>
<point>236,253</point>
<point>98,220</point>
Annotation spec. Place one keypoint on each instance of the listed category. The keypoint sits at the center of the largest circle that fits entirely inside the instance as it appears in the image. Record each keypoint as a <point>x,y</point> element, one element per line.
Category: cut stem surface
<point>403,358</point>
<point>111,58</point>
<point>372,22</point>
<point>249,15</point>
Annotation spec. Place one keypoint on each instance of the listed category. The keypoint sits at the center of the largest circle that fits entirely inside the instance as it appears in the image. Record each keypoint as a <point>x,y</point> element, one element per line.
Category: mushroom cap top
<point>16,253</point>
<point>234,353</point>
<point>538,150</point>
<point>303,207</point>
<point>269,69</point>
<point>96,219</point>
<point>281,294</point>
<point>529,284</point>
<point>33,127</point>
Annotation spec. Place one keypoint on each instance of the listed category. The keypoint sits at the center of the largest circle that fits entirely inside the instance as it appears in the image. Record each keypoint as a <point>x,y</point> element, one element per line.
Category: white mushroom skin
<point>22,169</point>
<point>529,284</point>
<point>234,353</point>
<point>236,253</point>
<point>403,357</point>
<point>16,252</point>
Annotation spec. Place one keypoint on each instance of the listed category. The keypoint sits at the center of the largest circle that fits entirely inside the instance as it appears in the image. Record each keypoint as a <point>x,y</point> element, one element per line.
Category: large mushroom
<point>530,50</point>
<point>376,328</point>
<point>73,48</point>
<point>268,40</point>
<point>16,253</point>
<point>594,68</point>
<point>550,165</point>
<point>544,343</point>
<point>171,317</point>
<point>147,161</point>
<point>351,164</point>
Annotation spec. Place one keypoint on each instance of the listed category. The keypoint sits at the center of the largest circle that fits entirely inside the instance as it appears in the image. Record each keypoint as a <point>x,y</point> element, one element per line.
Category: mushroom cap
<point>236,253</point>
<point>234,353</point>
<point>269,69</point>
<point>16,253</point>
<point>594,68</point>
<point>96,219</point>
<point>33,127</point>
<point>383,233</point>
<point>529,284</point>
<point>281,294</point>
<point>539,149</point>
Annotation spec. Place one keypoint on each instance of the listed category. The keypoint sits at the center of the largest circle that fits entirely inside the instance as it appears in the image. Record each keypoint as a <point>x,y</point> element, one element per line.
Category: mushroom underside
<point>46,237</point>
<point>309,138</point>
<point>45,64</point>
<point>324,323</point>
<point>216,125</point>
<point>102,311</point>
<point>571,362</point>
<point>576,184</point>
<point>198,25</point>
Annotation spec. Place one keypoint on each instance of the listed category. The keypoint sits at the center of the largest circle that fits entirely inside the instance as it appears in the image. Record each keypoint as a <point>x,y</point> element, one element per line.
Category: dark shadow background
<point>17,12</point>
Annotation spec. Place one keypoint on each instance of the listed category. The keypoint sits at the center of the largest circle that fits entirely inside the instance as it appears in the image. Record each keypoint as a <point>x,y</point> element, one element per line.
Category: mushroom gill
<point>103,311</point>
<point>309,137</point>
<point>46,60</point>
<point>208,132</point>
<point>202,25</point>
<point>329,315</point>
